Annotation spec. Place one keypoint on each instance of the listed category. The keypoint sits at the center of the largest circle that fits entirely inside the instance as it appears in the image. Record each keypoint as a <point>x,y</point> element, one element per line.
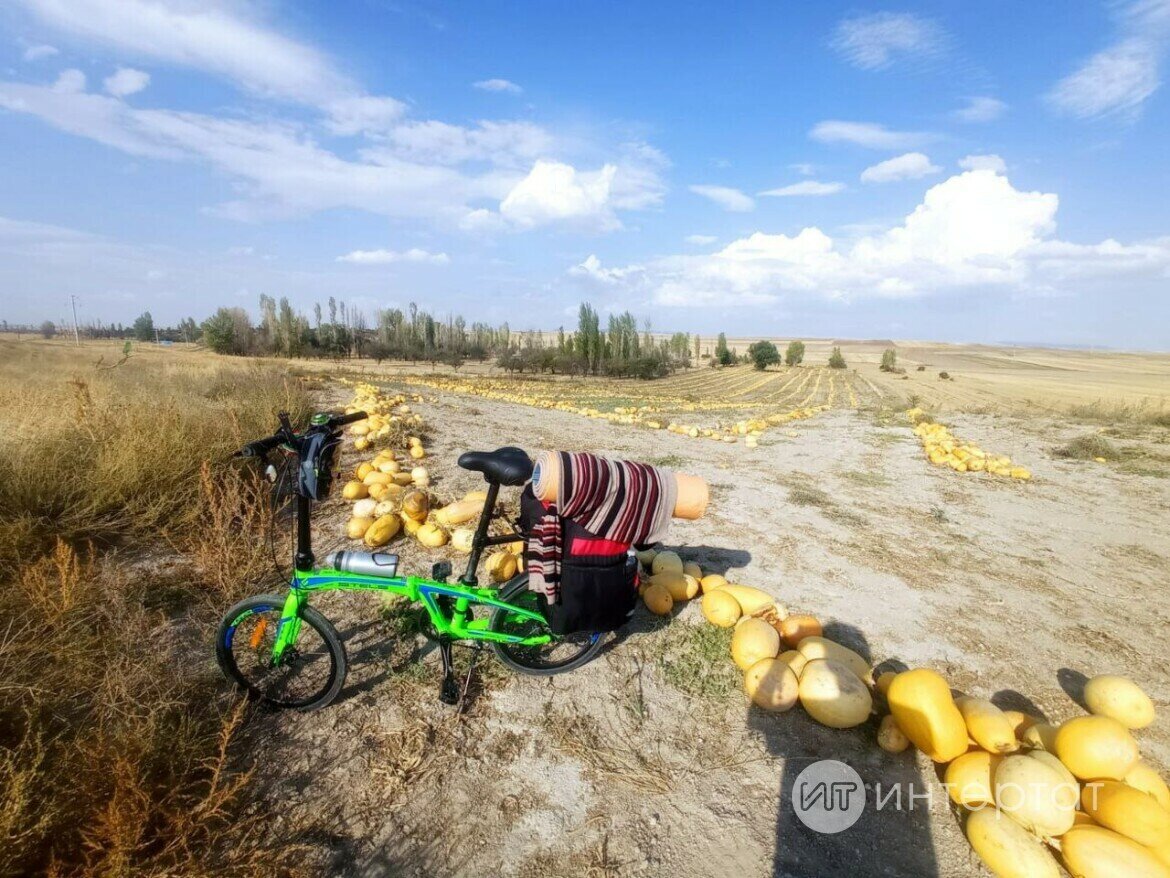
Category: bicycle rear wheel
<point>309,675</point>
<point>562,653</point>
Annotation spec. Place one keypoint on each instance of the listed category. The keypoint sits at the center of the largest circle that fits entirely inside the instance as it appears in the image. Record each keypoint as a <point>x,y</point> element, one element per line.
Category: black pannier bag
<point>599,577</point>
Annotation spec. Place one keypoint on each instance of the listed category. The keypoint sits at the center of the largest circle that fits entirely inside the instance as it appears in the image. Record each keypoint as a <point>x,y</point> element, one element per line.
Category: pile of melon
<point>1029,792</point>
<point>391,498</point>
<point>943,449</point>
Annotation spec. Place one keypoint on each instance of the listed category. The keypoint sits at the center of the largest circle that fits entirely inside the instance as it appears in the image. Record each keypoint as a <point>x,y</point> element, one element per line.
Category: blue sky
<point>956,171</point>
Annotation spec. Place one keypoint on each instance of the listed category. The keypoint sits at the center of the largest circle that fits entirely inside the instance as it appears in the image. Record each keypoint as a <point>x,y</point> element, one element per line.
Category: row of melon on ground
<point>647,416</point>
<point>1028,791</point>
<point>390,492</point>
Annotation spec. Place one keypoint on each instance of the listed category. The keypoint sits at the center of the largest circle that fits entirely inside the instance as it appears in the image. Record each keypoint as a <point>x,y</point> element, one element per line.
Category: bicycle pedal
<point>449,690</point>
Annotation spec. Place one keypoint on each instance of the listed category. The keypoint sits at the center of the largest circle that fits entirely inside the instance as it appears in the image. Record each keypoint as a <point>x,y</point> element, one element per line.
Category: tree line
<point>340,331</point>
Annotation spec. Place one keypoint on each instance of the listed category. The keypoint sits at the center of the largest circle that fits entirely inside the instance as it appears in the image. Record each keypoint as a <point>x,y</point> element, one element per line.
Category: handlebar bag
<point>316,471</point>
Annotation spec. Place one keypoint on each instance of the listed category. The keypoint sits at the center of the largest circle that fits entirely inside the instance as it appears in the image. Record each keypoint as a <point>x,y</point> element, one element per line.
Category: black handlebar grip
<point>342,420</point>
<point>260,447</point>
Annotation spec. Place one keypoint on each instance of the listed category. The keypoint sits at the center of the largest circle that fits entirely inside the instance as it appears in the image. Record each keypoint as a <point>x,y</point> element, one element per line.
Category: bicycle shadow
<point>891,840</point>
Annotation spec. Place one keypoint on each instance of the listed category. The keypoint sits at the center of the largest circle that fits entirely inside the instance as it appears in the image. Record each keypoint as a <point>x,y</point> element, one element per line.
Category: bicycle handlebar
<point>261,447</point>
<point>342,420</point>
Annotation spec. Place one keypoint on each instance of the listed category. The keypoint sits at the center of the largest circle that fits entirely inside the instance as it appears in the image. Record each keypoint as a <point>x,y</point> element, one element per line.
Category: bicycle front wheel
<point>562,653</point>
<point>309,674</point>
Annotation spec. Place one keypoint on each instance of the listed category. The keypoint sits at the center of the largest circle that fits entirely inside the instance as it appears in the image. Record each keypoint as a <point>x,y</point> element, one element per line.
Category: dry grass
<point>1089,447</point>
<point>116,509</point>
<point>610,753</point>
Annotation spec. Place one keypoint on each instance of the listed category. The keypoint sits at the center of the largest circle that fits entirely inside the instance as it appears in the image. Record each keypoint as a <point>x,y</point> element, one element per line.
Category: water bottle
<point>363,563</point>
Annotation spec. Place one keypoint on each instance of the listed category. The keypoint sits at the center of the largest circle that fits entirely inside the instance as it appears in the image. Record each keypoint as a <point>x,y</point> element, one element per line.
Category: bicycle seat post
<point>481,531</point>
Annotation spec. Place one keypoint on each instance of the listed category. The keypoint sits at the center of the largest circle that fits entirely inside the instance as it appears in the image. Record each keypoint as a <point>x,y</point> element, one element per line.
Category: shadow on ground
<point>894,840</point>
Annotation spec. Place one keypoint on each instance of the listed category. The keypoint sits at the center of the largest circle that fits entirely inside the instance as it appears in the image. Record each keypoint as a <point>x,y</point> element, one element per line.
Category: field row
<point>715,404</point>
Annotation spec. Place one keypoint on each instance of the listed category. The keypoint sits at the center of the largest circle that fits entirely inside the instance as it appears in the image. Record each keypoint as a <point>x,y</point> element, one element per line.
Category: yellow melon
<point>970,779</point>
<point>720,609</point>
<point>889,737</point>
<point>382,531</point>
<point>666,562</point>
<point>921,702</point>
<point>771,685</point>
<point>1035,795</point>
<point>1006,848</point>
<point>1121,699</point>
<point>833,695</point>
<point>799,626</point>
<point>357,526</point>
<point>1097,852</point>
<point>987,725</point>
<point>1096,747</point>
<point>754,639</point>
<point>1130,812</point>
<point>657,599</point>
<point>1145,778</point>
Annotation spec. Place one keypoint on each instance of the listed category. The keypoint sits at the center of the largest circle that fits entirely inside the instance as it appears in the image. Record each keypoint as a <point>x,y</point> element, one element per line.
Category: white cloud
<point>909,166</point>
<point>205,36</point>
<point>1117,79</point>
<point>973,230</point>
<point>279,171</point>
<point>980,109</point>
<point>701,239</point>
<point>868,134</point>
<point>805,187</point>
<point>36,53</point>
<point>592,268</point>
<point>557,192</point>
<point>878,40</point>
<point>126,81</point>
<point>510,144</point>
<point>71,81</point>
<point>498,85</point>
<point>1120,78</point>
<point>989,162</point>
<point>726,197</point>
<point>805,169</point>
<point>363,114</point>
<point>385,257</point>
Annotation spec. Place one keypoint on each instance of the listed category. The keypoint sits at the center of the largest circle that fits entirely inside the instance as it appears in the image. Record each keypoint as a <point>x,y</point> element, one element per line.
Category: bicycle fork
<point>289,627</point>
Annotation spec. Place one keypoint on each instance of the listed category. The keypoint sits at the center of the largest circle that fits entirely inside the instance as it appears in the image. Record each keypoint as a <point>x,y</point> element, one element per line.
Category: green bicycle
<point>288,654</point>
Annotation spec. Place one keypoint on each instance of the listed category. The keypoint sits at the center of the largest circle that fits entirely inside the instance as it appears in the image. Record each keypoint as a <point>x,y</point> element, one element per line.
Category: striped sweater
<point>614,499</point>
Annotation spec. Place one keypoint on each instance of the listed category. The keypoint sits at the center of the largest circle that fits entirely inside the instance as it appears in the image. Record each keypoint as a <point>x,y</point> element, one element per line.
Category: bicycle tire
<point>230,636</point>
<point>523,659</point>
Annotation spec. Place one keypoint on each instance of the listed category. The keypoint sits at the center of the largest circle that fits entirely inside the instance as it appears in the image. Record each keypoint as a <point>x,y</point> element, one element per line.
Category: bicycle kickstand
<point>451,692</point>
<point>448,689</point>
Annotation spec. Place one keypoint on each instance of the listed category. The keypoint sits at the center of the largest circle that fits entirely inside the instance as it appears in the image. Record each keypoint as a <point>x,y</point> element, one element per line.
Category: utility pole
<point>76,336</point>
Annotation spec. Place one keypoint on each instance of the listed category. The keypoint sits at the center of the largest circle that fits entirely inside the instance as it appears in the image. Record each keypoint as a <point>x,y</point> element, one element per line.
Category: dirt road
<point>648,761</point>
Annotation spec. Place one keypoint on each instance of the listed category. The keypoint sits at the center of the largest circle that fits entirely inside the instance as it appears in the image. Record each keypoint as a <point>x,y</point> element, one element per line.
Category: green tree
<point>836,360</point>
<point>48,329</point>
<point>889,360</point>
<point>794,356</point>
<point>229,331</point>
<point>722,354</point>
<point>144,327</point>
<point>764,354</point>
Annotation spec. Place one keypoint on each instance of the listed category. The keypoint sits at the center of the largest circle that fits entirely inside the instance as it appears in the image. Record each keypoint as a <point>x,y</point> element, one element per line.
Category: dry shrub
<point>116,757</point>
<point>1089,447</point>
<point>117,752</point>
<point>229,547</point>
<point>93,453</point>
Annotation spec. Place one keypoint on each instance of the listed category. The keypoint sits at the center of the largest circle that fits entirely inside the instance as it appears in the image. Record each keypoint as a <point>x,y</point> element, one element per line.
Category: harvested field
<point>650,760</point>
